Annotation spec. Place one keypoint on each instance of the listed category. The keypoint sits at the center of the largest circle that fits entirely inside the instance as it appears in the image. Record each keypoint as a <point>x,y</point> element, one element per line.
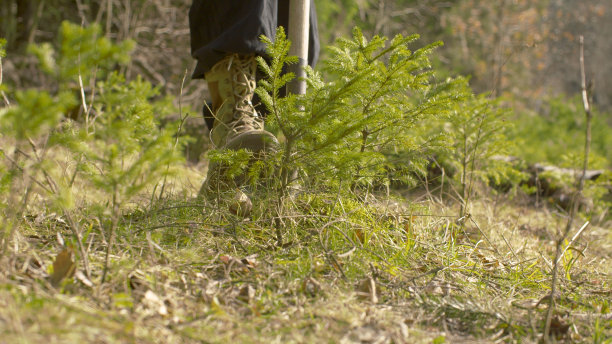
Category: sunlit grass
<point>187,271</point>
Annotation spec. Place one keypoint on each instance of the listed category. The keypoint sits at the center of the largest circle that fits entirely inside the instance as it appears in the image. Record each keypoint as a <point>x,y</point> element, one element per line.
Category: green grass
<point>184,271</point>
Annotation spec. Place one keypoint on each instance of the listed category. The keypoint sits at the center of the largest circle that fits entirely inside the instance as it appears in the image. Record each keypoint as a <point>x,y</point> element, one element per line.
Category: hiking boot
<point>237,124</point>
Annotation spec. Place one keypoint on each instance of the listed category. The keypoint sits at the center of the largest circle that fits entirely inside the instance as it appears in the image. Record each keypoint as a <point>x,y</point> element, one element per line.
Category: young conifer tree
<point>342,130</point>
<point>105,128</point>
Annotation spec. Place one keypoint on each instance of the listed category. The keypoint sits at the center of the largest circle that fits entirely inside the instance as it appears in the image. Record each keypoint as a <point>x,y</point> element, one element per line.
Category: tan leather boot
<point>237,124</point>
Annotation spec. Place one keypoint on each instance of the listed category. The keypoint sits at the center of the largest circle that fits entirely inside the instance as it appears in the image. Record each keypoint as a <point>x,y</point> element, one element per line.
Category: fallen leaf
<point>238,265</point>
<point>311,286</point>
<point>136,282</point>
<point>247,293</point>
<point>488,262</point>
<point>360,236</point>
<point>63,267</point>
<point>366,289</point>
<point>155,302</point>
<point>81,277</point>
<point>241,204</point>
<point>558,328</point>
<point>250,261</point>
<point>225,259</point>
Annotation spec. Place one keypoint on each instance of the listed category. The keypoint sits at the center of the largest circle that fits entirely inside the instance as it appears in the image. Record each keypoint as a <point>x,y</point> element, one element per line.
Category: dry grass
<point>349,269</point>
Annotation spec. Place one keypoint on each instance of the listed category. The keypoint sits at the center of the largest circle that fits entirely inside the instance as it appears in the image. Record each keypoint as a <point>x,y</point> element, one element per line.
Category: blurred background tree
<point>526,48</point>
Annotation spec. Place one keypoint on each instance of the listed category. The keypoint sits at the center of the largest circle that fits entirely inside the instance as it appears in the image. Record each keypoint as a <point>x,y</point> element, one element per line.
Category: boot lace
<point>243,75</point>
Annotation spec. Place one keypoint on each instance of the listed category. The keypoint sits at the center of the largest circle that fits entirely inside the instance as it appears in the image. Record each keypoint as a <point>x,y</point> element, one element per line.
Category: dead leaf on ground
<point>366,289</point>
<point>225,259</point>
<point>81,277</point>
<point>311,286</point>
<point>138,284</point>
<point>360,235</point>
<point>250,261</point>
<point>238,265</point>
<point>558,328</point>
<point>155,303</point>
<point>488,262</point>
<point>63,267</point>
<point>247,293</point>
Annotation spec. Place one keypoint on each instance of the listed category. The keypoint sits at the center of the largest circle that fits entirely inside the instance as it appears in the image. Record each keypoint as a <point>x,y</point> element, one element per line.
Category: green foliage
<point>117,146</point>
<point>556,135</point>
<point>36,113</point>
<point>342,130</point>
<point>2,55</point>
<point>239,160</point>
<point>83,52</point>
<point>475,138</point>
<point>381,116</point>
<point>124,141</point>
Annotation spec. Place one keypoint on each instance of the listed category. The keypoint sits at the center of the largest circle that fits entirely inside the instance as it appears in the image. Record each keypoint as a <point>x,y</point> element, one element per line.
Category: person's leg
<point>237,124</point>
<point>220,28</point>
<point>225,38</point>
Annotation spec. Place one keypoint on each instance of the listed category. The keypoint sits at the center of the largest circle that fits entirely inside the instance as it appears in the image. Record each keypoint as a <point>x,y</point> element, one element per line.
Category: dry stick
<point>578,193</point>
<point>484,235</point>
<point>111,238</point>
<point>75,231</point>
<point>464,164</point>
<point>6,101</point>
<point>82,89</point>
<point>467,195</point>
<point>109,15</point>
<point>571,242</point>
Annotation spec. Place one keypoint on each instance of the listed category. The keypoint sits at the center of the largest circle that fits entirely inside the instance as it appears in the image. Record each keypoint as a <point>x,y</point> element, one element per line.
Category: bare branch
<point>576,196</point>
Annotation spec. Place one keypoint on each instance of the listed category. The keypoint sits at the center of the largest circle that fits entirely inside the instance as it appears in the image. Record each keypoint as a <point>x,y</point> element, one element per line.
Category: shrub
<point>343,131</point>
<point>115,143</point>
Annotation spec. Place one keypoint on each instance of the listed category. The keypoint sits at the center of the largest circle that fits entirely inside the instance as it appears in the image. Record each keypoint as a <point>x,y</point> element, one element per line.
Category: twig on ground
<point>573,239</point>
<point>574,202</point>
<point>484,235</point>
<point>6,101</point>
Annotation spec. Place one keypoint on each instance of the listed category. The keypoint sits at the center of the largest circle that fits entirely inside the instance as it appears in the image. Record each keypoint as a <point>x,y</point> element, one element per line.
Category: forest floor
<point>317,267</point>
